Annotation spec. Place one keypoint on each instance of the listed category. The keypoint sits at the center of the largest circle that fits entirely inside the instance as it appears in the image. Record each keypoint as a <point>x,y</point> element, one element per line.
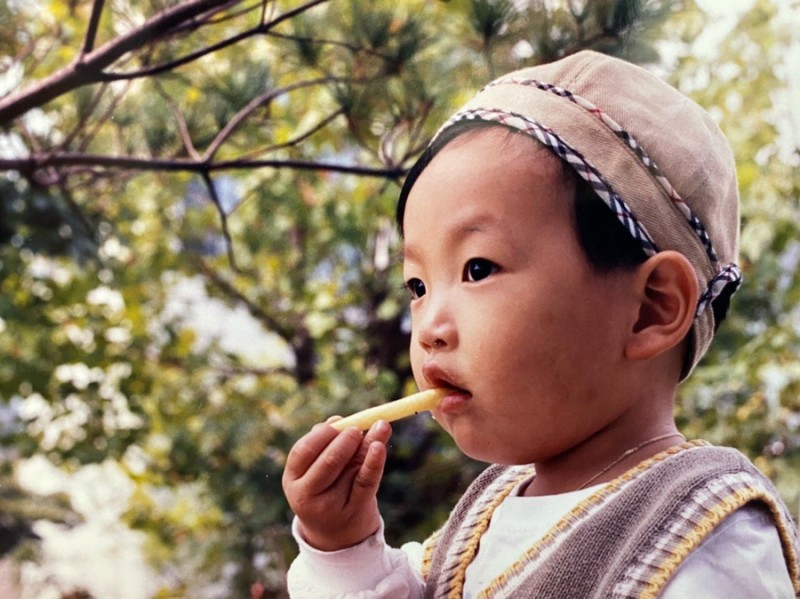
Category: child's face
<point>506,308</point>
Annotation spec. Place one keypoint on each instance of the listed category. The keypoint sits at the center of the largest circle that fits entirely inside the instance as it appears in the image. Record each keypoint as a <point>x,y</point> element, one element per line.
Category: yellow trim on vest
<point>737,499</point>
<point>471,548</point>
<point>428,549</point>
<point>653,586</point>
<point>573,517</point>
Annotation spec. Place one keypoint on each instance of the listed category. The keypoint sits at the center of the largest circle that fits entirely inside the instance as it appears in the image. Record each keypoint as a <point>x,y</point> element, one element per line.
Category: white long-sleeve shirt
<point>741,558</point>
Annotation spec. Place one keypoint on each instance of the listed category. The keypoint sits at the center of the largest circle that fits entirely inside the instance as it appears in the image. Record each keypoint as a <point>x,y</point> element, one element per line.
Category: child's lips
<point>436,376</point>
<point>454,400</point>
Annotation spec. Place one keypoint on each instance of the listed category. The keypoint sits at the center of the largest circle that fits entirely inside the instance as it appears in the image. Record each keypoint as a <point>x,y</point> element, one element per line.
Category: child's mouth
<point>438,377</point>
<point>453,400</point>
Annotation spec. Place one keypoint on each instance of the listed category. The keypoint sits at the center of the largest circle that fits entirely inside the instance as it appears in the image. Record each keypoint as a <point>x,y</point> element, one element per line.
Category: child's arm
<point>369,570</point>
<point>331,480</point>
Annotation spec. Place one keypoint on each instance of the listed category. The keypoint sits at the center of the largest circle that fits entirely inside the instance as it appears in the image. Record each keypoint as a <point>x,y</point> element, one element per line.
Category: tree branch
<point>290,327</point>
<point>261,28</point>
<point>257,102</point>
<point>279,327</point>
<point>303,136</point>
<point>183,128</point>
<point>91,30</point>
<point>354,48</point>
<point>88,68</point>
<point>37,162</point>
<point>213,19</point>
<point>223,217</point>
<point>83,118</point>
<point>191,57</point>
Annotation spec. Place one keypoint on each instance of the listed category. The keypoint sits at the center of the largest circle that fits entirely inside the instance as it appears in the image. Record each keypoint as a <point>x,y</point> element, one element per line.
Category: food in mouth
<point>394,410</point>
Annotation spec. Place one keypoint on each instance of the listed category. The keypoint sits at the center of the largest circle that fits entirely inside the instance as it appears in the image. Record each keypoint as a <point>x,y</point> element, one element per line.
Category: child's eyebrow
<point>476,223</point>
<point>407,252</point>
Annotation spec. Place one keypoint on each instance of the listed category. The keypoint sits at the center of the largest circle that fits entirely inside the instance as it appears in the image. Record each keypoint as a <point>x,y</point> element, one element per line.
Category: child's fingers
<point>380,432</point>
<point>307,451</point>
<point>369,475</point>
<point>324,459</point>
<point>333,460</point>
<point>370,462</point>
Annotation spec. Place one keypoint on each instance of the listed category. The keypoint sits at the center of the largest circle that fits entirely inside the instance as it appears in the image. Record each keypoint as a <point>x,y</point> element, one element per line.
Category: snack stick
<point>394,410</point>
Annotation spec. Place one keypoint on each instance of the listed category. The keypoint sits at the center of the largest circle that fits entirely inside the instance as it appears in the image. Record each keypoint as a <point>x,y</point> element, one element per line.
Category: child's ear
<point>668,291</point>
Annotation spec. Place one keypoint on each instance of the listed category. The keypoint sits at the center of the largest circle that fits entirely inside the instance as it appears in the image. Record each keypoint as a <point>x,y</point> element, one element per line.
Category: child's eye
<point>478,269</point>
<point>416,288</point>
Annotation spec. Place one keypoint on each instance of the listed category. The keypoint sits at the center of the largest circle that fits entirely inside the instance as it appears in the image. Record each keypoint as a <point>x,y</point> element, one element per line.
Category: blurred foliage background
<point>198,260</point>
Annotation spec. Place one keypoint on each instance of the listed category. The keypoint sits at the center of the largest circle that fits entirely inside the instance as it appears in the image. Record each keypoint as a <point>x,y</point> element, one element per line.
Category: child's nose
<point>437,329</point>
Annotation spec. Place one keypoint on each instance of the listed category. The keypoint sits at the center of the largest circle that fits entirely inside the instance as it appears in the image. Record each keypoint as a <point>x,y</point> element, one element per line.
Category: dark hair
<point>605,242</point>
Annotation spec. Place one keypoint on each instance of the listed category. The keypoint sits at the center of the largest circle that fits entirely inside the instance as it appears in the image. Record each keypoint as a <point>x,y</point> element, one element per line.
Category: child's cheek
<point>417,357</point>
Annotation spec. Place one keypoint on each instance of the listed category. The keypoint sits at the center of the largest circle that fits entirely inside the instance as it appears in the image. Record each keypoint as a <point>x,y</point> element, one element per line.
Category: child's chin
<point>474,447</point>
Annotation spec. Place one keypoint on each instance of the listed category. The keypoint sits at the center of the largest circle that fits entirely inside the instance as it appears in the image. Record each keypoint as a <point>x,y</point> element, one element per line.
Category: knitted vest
<point>626,540</point>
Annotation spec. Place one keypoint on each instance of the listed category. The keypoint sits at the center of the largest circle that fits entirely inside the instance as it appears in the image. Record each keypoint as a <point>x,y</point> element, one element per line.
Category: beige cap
<point>653,155</point>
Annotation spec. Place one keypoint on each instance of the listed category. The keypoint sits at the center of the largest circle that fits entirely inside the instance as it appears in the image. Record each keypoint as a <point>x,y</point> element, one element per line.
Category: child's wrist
<point>331,542</point>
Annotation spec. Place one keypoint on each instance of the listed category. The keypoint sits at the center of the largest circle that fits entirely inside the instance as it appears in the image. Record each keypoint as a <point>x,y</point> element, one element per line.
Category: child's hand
<point>331,480</point>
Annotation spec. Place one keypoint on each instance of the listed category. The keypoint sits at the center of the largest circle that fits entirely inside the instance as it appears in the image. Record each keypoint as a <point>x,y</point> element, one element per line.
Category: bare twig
<point>281,327</point>
<point>193,56</point>
<point>88,68</point>
<point>295,140</point>
<point>223,217</point>
<point>253,104</point>
<point>34,163</point>
<point>264,4</point>
<point>83,117</point>
<point>354,48</point>
<point>91,30</point>
<point>104,118</point>
<point>244,197</point>
<point>186,136</point>
<point>417,140</point>
<point>212,19</point>
<point>303,136</point>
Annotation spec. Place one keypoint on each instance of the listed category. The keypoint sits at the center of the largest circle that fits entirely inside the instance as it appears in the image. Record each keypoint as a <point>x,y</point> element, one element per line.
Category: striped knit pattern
<point>463,550</point>
<point>428,548</point>
<point>510,580</point>
<point>620,542</point>
<point>705,509</point>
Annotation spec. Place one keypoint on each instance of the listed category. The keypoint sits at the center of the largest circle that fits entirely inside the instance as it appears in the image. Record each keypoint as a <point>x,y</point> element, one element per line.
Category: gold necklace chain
<point>629,452</point>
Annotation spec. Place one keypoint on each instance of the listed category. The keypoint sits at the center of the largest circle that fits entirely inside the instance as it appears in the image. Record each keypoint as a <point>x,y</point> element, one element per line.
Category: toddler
<point>570,238</point>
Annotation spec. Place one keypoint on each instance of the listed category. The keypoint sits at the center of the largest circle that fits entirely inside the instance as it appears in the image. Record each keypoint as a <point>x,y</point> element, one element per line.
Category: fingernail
<point>380,426</point>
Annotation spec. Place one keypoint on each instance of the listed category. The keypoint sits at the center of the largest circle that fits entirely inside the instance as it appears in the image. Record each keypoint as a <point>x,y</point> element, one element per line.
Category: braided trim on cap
<point>695,223</point>
<point>574,158</point>
<point>729,275</point>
